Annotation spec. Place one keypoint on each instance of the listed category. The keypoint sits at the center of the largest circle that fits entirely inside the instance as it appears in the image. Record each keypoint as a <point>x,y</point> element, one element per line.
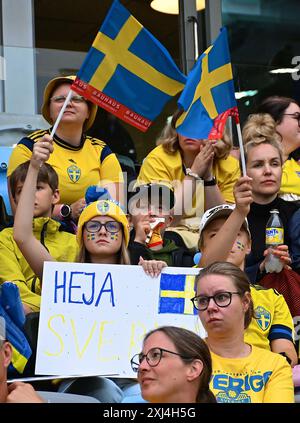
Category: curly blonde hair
<point>259,129</point>
<point>169,139</point>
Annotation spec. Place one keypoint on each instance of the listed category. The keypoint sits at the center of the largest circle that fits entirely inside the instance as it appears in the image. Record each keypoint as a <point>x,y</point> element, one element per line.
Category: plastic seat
<point>5,153</point>
<point>59,397</point>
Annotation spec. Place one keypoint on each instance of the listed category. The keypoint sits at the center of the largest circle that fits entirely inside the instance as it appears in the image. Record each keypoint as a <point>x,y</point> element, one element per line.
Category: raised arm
<point>33,251</point>
<point>200,169</point>
<point>220,245</point>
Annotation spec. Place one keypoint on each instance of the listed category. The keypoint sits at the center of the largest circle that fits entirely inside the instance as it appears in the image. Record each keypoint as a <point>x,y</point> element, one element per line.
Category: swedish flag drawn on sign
<point>175,294</point>
<point>209,93</point>
<point>127,71</point>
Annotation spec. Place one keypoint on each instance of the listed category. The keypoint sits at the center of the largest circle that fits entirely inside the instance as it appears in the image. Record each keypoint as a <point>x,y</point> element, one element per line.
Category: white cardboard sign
<point>93,316</point>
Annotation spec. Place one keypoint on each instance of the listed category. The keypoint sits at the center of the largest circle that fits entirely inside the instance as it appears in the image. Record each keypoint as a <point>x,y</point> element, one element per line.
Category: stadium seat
<point>5,153</point>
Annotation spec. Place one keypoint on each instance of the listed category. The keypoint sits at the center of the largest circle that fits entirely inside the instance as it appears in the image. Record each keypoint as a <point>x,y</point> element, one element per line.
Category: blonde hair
<point>170,143</point>
<point>259,129</point>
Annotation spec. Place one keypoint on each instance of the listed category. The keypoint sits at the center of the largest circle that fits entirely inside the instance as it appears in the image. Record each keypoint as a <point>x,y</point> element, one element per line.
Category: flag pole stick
<point>67,101</point>
<point>242,153</point>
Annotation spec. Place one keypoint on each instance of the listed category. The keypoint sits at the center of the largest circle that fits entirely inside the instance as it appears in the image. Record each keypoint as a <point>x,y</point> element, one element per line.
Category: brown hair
<point>237,276</point>
<point>169,139</point>
<point>261,129</point>
<point>275,106</point>
<point>189,344</point>
<point>46,174</point>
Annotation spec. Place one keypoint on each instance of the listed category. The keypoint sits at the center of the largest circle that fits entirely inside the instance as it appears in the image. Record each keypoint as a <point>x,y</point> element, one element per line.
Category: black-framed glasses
<point>153,357</point>
<point>62,98</point>
<point>222,299</point>
<point>295,115</point>
<point>94,226</point>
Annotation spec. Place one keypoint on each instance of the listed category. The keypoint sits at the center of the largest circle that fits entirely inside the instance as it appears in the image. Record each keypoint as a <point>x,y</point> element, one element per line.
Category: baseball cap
<point>160,194</point>
<point>223,210</point>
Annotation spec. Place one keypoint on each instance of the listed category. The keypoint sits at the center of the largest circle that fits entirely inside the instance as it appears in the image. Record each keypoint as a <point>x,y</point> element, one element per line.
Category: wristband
<point>189,172</point>
<point>65,211</point>
<point>210,183</point>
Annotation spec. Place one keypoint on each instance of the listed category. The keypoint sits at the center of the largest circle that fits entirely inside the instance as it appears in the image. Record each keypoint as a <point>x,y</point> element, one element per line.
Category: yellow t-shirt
<point>91,163</point>
<point>290,181</point>
<point>273,321</point>
<point>262,377</point>
<point>162,166</point>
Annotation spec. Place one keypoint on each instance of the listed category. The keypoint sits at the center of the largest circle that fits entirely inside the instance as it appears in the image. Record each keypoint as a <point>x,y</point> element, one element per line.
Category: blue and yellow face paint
<point>240,245</point>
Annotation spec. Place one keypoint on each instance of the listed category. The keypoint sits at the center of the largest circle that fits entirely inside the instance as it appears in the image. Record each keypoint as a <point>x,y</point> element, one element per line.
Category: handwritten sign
<point>93,316</point>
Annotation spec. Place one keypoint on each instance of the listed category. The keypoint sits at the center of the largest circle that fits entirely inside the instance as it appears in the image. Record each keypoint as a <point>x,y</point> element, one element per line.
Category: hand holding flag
<point>208,97</point>
<point>127,71</point>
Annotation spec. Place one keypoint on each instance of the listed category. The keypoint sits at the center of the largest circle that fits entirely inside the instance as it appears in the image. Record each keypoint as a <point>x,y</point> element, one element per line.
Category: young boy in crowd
<point>225,236</point>
<point>150,213</point>
<point>61,245</point>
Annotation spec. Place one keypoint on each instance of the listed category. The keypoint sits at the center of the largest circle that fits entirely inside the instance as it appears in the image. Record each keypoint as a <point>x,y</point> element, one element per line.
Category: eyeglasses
<point>153,358</point>
<point>59,99</point>
<point>222,299</point>
<point>294,116</point>
<point>94,226</point>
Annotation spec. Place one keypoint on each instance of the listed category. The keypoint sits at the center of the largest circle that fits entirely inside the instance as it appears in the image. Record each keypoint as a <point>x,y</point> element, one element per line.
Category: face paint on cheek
<point>91,237</point>
<point>113,237</point>
<point>240,245</point>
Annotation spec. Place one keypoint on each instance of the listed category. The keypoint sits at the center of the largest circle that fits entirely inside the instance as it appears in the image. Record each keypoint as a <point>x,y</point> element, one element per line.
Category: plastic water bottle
<point>274,237</point>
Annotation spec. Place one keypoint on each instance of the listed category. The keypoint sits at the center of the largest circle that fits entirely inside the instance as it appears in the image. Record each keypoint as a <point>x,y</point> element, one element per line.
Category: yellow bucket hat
<point>48,94</point>
<point>103,208</point>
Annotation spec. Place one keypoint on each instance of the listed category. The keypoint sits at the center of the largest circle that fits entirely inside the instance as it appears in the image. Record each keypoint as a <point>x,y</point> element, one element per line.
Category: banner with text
<point>93,316</point>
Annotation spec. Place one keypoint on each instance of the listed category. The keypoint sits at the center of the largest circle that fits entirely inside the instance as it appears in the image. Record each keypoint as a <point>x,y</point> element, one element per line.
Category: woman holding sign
<point>103,235</point>
<point>78,159</point>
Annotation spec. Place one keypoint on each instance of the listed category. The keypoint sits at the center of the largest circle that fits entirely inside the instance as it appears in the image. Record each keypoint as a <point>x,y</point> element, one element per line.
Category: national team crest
<point>74,173</point>
<point>103,207</point>
<point>263,317</point>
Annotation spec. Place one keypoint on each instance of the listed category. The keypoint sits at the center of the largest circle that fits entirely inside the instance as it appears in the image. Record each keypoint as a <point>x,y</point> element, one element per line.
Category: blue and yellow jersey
<point>290,180</point>
<point>261,377</point>
<point>90,163</point>
<point>273,318</point>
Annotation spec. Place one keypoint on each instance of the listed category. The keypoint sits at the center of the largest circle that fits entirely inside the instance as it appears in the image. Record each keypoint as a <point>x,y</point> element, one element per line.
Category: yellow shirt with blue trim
<point>273,318</point>
<point>160,165</point>
<point>91,163</point>
<point>290,181</point>
<point>261,377</point>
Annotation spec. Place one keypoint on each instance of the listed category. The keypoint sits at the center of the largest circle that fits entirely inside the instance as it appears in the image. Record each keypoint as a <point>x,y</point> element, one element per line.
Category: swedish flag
<point>127,71</point>
<point>175,294</point>
<point>208,97</point>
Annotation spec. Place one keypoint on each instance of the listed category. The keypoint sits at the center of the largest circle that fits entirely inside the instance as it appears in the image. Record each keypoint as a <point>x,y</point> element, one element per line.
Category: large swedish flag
<point>208,97</point>
<point>175,294</point>
<point>127,71</point>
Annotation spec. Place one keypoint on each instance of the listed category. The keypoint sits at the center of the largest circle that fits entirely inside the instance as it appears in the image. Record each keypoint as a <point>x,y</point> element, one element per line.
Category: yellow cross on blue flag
<point>175,294</point>
<point>128,71</point>
<point>208,97</point>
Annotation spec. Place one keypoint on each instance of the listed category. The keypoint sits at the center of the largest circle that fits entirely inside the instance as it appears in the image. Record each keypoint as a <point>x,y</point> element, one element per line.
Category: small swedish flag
<point>175,294</point>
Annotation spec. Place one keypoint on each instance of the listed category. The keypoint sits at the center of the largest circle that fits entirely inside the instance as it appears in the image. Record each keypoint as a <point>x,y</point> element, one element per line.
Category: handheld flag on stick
<point>208,97</point>
<point>127,71</point>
